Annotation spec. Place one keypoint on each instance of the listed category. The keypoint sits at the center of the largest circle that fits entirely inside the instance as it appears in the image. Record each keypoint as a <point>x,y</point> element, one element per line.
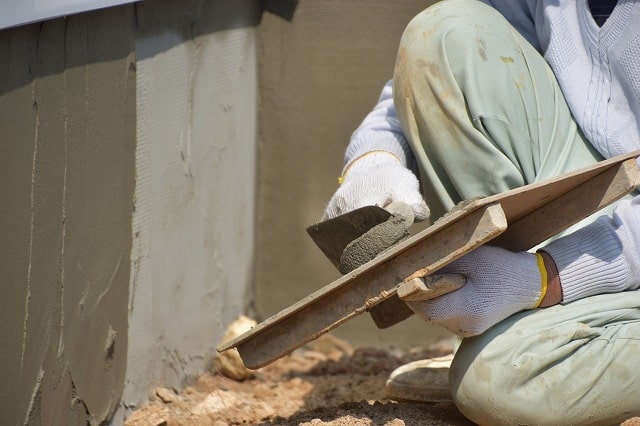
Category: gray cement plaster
<point>378,239</point>
<point>193,223</point>
<point>67,105</point>
<point>319,75</point>
<point>159,96</point>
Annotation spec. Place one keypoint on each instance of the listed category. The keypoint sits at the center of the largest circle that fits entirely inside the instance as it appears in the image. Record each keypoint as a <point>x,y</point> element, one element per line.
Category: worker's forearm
<point>380,130</point>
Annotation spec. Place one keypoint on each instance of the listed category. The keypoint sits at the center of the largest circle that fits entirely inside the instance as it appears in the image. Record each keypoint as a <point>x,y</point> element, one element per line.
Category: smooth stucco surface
<point>67,155</point>
<point>319,75</point>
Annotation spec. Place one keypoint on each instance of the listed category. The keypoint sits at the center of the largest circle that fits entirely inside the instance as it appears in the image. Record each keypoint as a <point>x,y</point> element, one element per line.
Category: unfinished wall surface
<point>127,173</point>
<point>319,76</point>
<point>194,206</point>
<point>67,156</point>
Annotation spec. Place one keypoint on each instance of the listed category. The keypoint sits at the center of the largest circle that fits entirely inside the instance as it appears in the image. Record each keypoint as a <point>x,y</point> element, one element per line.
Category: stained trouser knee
<point>563,365</point>
<point>479,106</point>
<point>445,41</point>
<point>444,83</point>
<point>479,390</point>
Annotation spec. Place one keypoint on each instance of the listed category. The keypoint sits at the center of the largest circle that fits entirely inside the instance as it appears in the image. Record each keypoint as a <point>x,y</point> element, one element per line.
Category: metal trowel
<point>333,235</point>
<point>357,237</point>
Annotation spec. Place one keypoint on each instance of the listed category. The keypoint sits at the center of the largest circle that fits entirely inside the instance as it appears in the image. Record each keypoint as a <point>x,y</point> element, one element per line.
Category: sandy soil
<point>326,383</point>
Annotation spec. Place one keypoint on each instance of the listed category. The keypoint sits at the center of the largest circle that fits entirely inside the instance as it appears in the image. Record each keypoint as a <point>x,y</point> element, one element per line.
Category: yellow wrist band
<point>375,151</point>
<point>545,278</point>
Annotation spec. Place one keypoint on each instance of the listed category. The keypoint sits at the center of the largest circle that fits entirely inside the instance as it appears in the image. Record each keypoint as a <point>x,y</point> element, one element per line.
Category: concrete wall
<point>320,74</point>
<point>67,157</point>
<point>194,209</point>
<point>127,173</point>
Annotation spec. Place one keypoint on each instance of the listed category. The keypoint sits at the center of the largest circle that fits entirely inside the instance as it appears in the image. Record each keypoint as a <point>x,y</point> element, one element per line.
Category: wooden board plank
<point>364,287</point>
<point>570,207</point>
<point>537,212</point>
<point>521,202</point>
<point>378,280</point>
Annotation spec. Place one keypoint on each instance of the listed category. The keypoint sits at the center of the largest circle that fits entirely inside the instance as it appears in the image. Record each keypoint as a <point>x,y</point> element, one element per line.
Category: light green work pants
<point>484,113</point>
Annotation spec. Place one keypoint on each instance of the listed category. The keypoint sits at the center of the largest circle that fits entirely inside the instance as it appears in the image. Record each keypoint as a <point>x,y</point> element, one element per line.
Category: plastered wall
<point>127,174</point>
<point>193,233</point>
<point>67,156</point>
<point>319,76</point>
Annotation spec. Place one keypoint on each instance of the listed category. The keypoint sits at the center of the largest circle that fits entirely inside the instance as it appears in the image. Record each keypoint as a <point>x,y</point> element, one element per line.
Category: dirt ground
<point>325,383</point>
<point>328,382</point>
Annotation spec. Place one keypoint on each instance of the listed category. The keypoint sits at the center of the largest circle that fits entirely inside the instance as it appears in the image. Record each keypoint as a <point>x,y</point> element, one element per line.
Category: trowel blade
<point>333,235</point>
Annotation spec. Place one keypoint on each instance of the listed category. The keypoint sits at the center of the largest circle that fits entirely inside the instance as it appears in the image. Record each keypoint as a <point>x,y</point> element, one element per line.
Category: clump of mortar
<point>387,234</point>
<point>378,239</point>
<point>460,206</point>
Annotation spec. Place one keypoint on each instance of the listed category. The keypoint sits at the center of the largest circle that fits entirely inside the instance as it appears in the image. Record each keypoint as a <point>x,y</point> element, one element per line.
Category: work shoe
<point>426,380</point>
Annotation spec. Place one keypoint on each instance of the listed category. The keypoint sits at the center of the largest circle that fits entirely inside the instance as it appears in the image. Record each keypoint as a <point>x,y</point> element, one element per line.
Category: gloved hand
<point>499,284</point>
<point>377,178</point>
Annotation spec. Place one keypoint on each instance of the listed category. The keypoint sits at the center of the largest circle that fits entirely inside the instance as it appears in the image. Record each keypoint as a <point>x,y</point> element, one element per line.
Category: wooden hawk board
<point>517,220</point>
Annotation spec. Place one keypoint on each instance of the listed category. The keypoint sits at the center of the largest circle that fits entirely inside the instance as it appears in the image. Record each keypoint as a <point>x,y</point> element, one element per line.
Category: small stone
<point>151,415</point>
<point>216,402</point>
<point>166,395</point>
<point>229,363</point>
<point>315,356</point>
<point>263,391</point>
<point>327,344</point>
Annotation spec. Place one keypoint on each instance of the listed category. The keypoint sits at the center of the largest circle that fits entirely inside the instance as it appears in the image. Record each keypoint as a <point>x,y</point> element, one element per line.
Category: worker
<point>486,97</point>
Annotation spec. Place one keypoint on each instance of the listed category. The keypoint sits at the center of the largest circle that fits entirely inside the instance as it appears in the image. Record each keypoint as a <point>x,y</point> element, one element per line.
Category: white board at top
<point>14,13</point>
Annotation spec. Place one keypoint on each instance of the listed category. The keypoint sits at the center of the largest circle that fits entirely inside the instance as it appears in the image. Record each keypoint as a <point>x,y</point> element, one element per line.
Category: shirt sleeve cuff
<point>589,261</point>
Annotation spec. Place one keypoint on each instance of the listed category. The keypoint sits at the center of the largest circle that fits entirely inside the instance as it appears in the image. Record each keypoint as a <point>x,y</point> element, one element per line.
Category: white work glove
<point>377,178</point>
<point>499,284</point>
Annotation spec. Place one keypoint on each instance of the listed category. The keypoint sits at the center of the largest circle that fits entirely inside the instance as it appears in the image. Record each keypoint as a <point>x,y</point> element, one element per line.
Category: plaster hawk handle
<point>430,287</point>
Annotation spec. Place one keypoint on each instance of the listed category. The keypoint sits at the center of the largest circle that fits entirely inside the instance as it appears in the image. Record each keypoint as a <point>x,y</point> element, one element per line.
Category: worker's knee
<point>483,385</point>
<point>446,42</point>
<point>454,27</point>
<point>474,388</point>
<point>544,368</point>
